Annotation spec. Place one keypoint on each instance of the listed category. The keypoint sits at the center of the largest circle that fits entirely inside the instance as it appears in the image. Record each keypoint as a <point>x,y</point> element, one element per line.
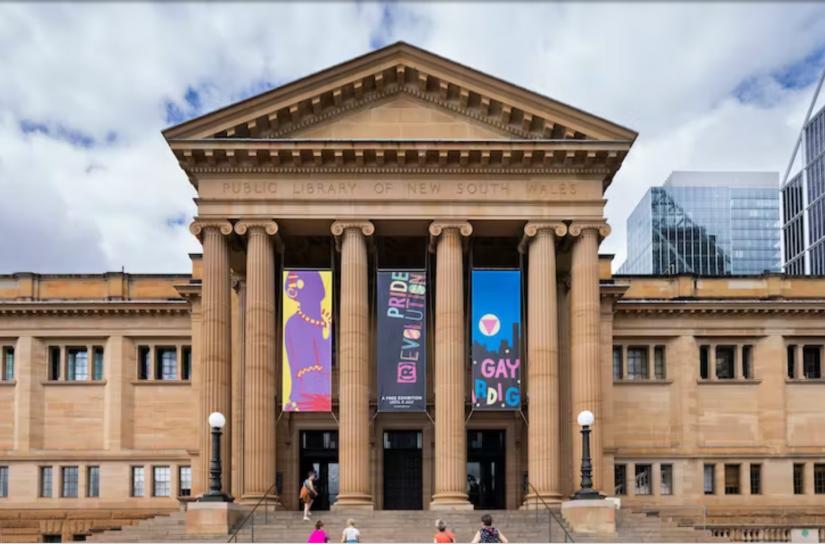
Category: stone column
<point>450,359</point>
<point>259,441</point>
<point>216,348</point>
<point>543,451</point>
<point>584,339</point>
<point>353,363</point>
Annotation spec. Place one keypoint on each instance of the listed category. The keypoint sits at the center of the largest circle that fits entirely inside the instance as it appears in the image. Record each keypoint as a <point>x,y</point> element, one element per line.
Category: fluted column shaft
<point>259,361</point>
<point>543,457</point>
<point>450,433</point>
<point>585,342</point>
<point>353,353</point>
<point>216,347</point>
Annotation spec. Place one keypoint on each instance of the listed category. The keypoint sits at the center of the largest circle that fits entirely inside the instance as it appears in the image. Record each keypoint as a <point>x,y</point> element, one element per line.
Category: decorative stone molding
<point>532,228</point>
<point>243,226</point>
<point>576,228</point>
<point>198,225</point>
<point>646,308</point>
<point>73,308</point>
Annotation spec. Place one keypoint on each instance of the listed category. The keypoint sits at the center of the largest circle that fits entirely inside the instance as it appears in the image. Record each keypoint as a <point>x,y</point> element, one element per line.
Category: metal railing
<point>250,517</point>
<point>550,518</point>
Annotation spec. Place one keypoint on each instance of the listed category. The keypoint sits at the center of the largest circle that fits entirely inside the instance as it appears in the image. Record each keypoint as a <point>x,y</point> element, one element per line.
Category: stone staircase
<point>406,526</point>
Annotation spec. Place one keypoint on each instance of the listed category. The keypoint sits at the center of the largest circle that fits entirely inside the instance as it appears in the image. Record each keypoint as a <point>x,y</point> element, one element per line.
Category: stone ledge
<point>642,382</point>
<point>738,381</point>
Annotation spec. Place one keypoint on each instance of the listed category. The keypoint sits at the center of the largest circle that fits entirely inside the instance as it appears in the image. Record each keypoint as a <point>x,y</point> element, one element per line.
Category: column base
<point>451,501</point>
<point>533,501</point>
<point>353,501</point>
<point>251,499</point>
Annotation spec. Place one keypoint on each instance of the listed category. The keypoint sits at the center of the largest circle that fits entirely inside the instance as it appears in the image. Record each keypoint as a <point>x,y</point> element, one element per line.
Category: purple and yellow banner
<point>496,337</point>
<point>402,340</point>
<point>307,340</point>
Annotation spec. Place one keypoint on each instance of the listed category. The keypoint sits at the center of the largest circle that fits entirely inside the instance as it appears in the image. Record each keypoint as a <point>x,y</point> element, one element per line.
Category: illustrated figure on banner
<point>307,343</point>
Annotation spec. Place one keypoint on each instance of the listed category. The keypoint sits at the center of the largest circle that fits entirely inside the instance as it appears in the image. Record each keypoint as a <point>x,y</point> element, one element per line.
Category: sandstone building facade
<point>707,392</point>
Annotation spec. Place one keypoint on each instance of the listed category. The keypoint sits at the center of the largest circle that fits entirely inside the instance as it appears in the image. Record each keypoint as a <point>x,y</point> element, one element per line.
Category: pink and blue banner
<point>496,339</point>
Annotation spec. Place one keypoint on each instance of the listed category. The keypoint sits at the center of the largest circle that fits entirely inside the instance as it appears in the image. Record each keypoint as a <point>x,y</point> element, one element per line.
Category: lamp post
<point>215,494</point>
<point>586,491</point>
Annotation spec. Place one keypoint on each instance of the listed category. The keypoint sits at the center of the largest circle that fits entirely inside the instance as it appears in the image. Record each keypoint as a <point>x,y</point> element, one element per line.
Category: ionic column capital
<point>532,228</point>
<point>437,227</point>
<point>601,227</point>
<point>199,225</point>
<point>338,228</point>
<point>267,225</point>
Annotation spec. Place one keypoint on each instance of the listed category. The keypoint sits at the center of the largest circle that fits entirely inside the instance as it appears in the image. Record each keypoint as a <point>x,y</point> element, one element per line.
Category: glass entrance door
<point>319,452</point>
<point>485,469</point>
<point>402,470</point>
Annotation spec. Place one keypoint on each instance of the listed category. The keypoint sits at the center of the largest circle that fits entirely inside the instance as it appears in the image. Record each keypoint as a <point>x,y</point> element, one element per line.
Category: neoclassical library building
<point>401,289</point>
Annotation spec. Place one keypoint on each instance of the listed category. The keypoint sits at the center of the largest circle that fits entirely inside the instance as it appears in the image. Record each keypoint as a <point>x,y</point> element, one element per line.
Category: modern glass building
<point>803,205</point>
<point>706,223</point>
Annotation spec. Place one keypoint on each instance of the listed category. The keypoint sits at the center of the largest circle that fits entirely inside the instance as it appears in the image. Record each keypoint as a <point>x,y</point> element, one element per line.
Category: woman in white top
<point>351,534</point>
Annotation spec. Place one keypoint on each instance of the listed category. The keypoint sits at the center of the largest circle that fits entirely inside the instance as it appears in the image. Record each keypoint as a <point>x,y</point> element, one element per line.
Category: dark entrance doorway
<point>319,452</point>
<point>485,469</point>
<point>402,470</point>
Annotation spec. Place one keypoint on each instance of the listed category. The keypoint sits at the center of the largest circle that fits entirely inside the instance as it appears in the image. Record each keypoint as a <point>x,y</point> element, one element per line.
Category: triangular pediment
<point>466,104</point>
<point>401,117</point>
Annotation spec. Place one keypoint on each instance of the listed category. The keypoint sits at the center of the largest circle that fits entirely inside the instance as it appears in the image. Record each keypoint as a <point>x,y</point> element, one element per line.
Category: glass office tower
<point>706,223</point>
<point>803,205</point>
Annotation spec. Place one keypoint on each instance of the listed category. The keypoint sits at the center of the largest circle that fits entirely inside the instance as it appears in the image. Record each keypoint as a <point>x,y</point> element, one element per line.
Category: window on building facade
<point>725,362</point>
<point>811,362</point>
<point>643,479</point>
<point>52,538</point>
<point>637,365</point>
<point>709,480</point>
<point>161,482</point>
<point>798,478</point>
<point>77,364</point>
<point>45,481</point>
<point>756,479</point>
<point>819,478</point>
<point>54,363</point>
<point>659,369</point>
<point>97,363</point>
<point>666,479</point>
<point>144,363</point>
<point>186,368</point>
<point>68,482</point>
<point>620,479</point>
<point>7,370</point>
<point>747,363</point>
<point>791,351</point>
<point>138,482</point>
<point>185,481</point>
<point>704,362</point>
<point>4,481</point>
<point>618,373</point>
<point>166,363</point>
<point>93,481</point>
<point>732,479</point>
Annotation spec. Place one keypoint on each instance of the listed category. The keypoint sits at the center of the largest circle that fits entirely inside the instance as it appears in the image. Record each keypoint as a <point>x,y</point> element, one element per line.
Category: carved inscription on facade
<point>379,190</point>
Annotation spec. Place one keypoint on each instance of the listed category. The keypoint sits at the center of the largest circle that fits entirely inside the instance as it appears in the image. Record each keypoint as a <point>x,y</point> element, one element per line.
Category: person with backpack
<point>308,493</point>
<point>488,533</point>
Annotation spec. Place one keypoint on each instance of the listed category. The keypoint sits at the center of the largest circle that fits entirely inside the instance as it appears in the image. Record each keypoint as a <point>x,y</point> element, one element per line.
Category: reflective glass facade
<point>715,226</point>
<point>803,205</point>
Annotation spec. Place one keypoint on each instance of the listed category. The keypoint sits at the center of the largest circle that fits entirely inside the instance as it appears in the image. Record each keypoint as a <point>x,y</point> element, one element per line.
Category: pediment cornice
<point>249,156</point>
<point>400,69</point>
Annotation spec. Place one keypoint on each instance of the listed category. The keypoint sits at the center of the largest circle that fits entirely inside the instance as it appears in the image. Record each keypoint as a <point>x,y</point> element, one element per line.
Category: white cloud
<point>668,71</point>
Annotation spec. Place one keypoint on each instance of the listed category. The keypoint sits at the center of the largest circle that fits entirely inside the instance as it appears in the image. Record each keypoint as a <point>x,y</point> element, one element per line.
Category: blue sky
<point>88,183</point>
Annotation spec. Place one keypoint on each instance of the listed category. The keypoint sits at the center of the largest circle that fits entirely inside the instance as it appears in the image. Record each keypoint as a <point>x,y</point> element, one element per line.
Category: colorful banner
<point>496,336</point>
<point>402,340</point>
<point>307,340</point>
